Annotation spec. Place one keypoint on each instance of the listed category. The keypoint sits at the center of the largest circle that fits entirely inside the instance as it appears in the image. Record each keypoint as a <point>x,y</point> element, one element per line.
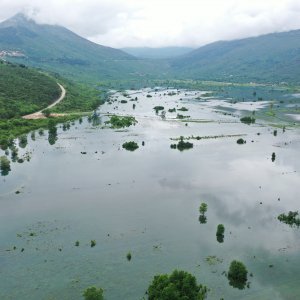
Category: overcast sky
<point>157,23</point>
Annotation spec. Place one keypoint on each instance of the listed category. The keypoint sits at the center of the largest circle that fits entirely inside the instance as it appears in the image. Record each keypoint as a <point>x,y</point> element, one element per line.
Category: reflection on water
<point>147,202</point>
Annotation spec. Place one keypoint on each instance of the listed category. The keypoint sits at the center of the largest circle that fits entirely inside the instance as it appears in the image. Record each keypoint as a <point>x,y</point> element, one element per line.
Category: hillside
<point>57,49</point>
<point>157,53</point>
<point>24,90</point>
<point>270,58</point>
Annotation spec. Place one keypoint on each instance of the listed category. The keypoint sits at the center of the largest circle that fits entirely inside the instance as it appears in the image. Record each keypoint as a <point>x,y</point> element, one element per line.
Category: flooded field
<point>86,187</point>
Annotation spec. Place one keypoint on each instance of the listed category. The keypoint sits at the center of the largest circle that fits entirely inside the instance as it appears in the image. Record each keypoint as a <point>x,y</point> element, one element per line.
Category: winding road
<point>39,114</point>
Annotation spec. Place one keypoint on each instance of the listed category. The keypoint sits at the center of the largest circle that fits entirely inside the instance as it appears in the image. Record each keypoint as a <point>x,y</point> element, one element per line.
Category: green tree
<point>4,165</point>
<point>203,208</point>
<point>93,293</point>
<point>179,285</point>
<point>237,274</point>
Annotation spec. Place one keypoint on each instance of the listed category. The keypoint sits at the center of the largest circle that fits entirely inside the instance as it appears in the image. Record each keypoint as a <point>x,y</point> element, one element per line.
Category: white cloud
<point>156,23</point>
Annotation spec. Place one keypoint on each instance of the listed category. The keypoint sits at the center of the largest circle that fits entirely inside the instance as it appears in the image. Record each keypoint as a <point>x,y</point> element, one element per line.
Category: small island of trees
<point>179,285</point>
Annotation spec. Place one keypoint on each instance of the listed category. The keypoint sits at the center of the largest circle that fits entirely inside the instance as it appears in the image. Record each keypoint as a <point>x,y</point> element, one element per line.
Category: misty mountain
<point>58,49</point>
<point>272,57</point>
<point>157,53</point>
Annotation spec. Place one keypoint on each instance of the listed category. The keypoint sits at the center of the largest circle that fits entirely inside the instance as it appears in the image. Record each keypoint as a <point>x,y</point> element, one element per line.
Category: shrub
<point>130,146</point>
<point>4,165</point>
<point>247,120</point>
<point>120,122</point>
<point>203,208</point>
<point>128,256</point>
<point>93,293</point>
<point>179,285</point>
<point>220,230</point>
<point>241,141</point>
<point>290,219</point>
<point>237,274</point>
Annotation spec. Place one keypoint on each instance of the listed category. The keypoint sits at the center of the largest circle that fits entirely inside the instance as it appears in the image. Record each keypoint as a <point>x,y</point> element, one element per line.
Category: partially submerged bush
<point>203,208</point>
<point>120,122</point>
<point>291,218</point>
<point>179,285</point>
<point>247,120</point>
<point>4,165</point>
<point>158,108</point>
<point>241,141</point>
<point>237,274</point>
<point>130,146</point>
<point>183,109</point>
<point>93,293</point>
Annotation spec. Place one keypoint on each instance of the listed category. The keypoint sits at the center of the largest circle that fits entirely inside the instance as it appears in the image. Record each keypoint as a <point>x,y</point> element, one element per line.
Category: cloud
<point>156,23</point>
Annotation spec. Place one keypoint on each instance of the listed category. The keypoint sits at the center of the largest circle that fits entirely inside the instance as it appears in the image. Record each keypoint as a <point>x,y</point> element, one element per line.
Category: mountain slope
<point>24,90</point>
<point>157,53</point>
<point>272,57</point>
<point>58,49</point>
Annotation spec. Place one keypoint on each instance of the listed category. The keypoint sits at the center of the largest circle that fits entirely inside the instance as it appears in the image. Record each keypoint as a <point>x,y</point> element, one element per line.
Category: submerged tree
<point>179,285</point>
<point>273,156</point>
<point>203,208</point>
<point>93,293</point>
<point>4,165</point>
<point>237,274</point>
<point>220,233</point>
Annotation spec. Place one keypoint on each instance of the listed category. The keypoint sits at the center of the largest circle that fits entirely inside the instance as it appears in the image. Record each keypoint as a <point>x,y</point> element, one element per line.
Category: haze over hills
<point>157,53</point>
<point>58,49</point>
<point>272,57</point>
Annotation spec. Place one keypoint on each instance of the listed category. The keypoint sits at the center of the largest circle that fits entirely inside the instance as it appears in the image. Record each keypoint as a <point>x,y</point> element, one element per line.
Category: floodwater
<point>146,202</point>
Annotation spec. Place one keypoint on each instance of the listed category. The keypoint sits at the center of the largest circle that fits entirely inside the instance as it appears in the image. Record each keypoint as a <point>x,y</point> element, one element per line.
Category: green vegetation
<point>180,117</point>
<point>203,208</point>
<point>13,128</point>
<point>237,274</point>
<point>93,293</point>
<point>273,157</point>
<point>130,146</point>
<point>79,98</point>
<point>172,110</point>
<point>241,141</point>
<point>24,91</point>
<point>183,109</point>
<point>121,122</point>
<point>4,165</point>
<point>128,256</point>
<point>220,230</point>
<point>290,219</point>
<point>158,108</point>
<point>247,120</point>
<point>220,233</point>
<point>182,145</point>
<point>179,285</point>
<point>93,243</point>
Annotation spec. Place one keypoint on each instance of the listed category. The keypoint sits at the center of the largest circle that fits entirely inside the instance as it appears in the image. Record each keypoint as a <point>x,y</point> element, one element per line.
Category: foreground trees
<point>179,285</point>
<point>237,274</point>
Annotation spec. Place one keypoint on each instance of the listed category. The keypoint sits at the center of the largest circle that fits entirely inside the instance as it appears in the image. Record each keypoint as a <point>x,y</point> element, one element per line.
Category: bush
<point>237,274</point>
<point>203,208</point>
<point>130,146</point>
<point>120,122</point>
<point>93,293</point>
<point>4,165</point>
<point>180,285</point>
<point>290,219</point>
<point>220,230</point>
<point>241,141</point>
<point>247,120</point>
